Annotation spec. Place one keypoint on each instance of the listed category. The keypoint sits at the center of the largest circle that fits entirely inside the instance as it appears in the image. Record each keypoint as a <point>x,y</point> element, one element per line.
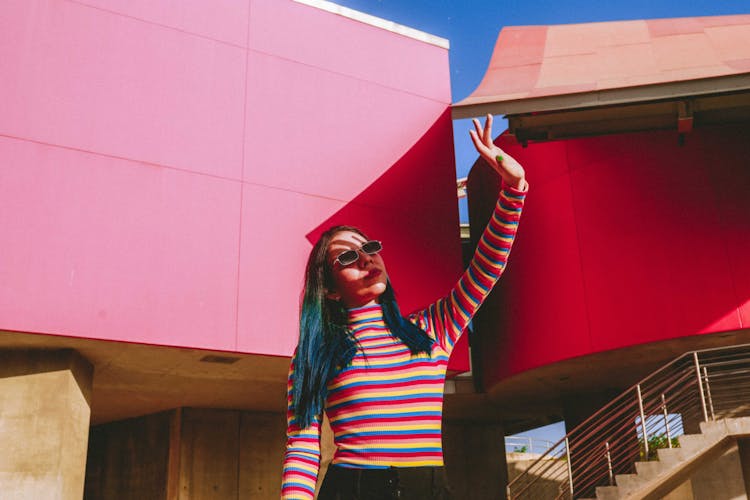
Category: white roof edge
<point>378,22</point>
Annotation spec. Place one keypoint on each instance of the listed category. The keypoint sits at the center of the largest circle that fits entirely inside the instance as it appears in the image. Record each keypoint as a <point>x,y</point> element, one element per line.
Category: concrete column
<point>44,423</point>
<point>475,459</point>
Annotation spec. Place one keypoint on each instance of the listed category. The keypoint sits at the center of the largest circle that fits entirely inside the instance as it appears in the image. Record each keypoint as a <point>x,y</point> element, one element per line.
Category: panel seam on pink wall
<point>183,170</point>
<point>347,75</point>
<point>160,25</point>
<point>242,183</point>
<point>122,158</point>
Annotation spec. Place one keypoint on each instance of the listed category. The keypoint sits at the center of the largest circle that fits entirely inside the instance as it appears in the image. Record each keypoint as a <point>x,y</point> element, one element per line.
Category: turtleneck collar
<point>365,314</point>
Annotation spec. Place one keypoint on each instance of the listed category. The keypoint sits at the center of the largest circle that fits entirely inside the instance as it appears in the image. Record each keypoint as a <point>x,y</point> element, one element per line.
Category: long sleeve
<point>302,456</point>
<point>447,318</point>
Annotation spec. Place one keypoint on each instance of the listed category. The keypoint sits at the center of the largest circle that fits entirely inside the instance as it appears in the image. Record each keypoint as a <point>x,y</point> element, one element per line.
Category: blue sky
<point>472,27</point>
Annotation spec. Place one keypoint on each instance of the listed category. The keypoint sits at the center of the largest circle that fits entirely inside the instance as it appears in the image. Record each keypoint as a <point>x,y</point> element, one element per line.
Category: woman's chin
<point>378,289</point>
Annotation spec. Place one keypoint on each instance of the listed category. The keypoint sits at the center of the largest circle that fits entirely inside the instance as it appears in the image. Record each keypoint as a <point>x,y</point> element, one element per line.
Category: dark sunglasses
<point>351,256</point>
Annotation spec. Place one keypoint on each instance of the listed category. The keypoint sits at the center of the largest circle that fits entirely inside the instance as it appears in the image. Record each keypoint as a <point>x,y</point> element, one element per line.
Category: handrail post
<point>700,385</point>
<point>708,393</point>
<point>609,464</point>
<point>570,467</point>
<point>643,420</point>
<point>666,419</point>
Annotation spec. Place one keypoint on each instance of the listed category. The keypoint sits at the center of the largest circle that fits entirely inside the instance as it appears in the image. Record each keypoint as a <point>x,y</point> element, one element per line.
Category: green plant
<point>654,443</point>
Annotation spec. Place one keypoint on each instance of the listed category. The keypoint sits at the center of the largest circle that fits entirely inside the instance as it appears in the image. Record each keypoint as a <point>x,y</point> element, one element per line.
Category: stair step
<point>712,426</point>
<point>693,442</point>
<point>607,493</point>
<point>739,425</point>
<point>649,470</point>
<point>670,456</point>
<point>628,482</point>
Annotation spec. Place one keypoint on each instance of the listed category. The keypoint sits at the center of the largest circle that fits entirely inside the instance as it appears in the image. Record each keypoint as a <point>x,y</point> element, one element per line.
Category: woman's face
<point>361,282</point>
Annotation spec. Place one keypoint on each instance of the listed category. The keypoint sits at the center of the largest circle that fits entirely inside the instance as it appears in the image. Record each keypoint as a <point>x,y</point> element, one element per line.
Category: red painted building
<point>634,246</point>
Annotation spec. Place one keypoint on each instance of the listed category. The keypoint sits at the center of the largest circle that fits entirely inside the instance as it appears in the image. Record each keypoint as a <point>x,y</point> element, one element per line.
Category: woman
<point>379,376</point>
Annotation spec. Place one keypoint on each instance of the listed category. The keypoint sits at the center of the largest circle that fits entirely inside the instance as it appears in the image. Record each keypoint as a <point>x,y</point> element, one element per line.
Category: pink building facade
<point>166,168</point>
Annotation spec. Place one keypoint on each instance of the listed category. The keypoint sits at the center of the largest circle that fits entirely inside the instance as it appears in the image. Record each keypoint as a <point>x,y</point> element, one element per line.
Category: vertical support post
<point>570,468</point>
<point>708,393</point>
<point>700,385</point>
<point>643,420</point>
<point>609,464</point>
<point>666,420</point>
<point>531,445</point>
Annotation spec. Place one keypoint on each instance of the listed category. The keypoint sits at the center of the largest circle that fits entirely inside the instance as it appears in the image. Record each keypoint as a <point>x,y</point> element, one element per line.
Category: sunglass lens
<point>372,247</point>
<point>348,257</point>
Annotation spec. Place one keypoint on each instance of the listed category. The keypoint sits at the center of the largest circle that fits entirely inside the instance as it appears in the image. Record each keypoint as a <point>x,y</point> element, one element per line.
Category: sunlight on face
<point>359,283</point>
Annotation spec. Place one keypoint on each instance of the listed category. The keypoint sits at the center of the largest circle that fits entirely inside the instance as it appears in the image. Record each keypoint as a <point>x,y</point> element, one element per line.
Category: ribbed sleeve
<point>302,456</point>
<point>447,318</point>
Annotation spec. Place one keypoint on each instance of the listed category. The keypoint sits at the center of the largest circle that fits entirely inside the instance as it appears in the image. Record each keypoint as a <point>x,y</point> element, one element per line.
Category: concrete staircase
<point>654,480</point>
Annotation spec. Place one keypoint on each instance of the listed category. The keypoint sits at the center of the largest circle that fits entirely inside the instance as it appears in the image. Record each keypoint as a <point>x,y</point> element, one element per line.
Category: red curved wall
<point>164,166</point>
<point>625,239</point>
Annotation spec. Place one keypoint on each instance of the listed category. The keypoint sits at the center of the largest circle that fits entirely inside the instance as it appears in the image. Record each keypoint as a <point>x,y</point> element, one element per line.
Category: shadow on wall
<point>626,239</point>
<point>412,209</point>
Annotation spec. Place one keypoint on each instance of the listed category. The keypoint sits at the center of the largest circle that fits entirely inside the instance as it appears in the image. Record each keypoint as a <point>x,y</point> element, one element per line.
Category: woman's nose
<point>364,258</point>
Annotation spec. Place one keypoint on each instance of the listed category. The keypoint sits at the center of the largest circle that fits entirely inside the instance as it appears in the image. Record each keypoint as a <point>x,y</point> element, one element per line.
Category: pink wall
<point>625,240</point>
<point>165,166</point>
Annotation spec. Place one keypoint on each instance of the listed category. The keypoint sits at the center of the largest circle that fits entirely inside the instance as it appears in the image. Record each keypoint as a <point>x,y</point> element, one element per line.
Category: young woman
<point>377,375</point>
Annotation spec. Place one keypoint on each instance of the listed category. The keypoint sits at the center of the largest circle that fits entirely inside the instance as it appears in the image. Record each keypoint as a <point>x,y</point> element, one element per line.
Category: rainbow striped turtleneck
<point>385,408</point>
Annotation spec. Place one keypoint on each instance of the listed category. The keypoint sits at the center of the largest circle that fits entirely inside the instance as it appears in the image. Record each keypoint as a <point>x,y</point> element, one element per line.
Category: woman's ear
<point>332,295</point>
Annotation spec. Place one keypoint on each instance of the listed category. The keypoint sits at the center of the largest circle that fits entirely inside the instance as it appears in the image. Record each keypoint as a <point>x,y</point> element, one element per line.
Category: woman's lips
<point>374,273</point>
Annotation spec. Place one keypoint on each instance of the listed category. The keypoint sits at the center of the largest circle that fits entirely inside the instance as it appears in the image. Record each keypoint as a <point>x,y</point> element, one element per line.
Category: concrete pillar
<point>44,423</point>
<point>475,459</point>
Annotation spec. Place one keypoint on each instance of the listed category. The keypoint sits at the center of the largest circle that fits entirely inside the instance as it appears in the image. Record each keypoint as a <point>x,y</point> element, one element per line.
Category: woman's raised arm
<point>447,318</point>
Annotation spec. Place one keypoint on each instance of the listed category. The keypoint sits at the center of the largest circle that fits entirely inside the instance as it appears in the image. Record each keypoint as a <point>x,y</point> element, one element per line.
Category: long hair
<point>326,346</point>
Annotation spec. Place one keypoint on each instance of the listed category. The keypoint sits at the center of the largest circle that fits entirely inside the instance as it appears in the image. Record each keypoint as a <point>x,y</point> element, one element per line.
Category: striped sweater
<point>385,408</point>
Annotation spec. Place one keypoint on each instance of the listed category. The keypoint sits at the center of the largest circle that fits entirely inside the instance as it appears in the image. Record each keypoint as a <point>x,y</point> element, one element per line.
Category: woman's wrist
<point>519,184</point>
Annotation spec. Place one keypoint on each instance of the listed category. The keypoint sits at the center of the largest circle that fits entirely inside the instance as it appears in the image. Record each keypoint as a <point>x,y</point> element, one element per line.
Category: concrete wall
<point>721,479</point>
<point>187,453</point>
<point>44,422</point>
<point>130,459</point>
<point>475,459</point>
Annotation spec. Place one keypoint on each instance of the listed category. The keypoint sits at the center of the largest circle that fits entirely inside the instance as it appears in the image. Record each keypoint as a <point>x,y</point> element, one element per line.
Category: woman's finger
<point>487,137</point>
<point>478,127</point>
<point>477,141</point>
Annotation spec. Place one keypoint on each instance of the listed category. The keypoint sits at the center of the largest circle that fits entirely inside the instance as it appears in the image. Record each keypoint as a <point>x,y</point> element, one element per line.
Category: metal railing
<point>526,444</point>
<point>698,386</point>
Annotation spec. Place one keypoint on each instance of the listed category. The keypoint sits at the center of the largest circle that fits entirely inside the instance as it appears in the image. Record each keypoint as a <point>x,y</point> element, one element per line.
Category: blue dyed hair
<point>326,346</point>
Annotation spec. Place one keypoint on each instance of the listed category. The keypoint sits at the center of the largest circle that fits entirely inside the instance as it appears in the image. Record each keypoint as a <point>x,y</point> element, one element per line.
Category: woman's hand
<point>509,169</point>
